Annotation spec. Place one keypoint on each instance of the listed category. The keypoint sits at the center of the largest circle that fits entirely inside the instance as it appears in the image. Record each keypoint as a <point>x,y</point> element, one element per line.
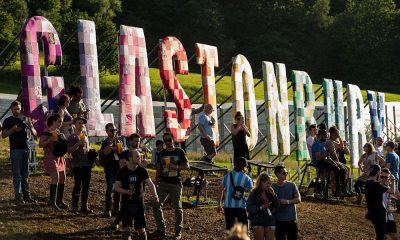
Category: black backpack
<point>60,147</point>
<point>238,191</point>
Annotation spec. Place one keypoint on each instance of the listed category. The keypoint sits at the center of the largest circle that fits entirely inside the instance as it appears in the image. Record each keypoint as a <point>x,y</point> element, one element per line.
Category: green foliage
<point>351,40</point>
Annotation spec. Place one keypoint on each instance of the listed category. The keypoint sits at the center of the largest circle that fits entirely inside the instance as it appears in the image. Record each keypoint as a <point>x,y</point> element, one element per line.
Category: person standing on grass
<point>234,185</point>
<point>392,160</point>
<point>261,203</point>
<point>54,165</point>
<point>286,215</point>
<point>206,124</point>
<point>17,130</point>
<point>78,146</point>
<point>155,154</point>
<point>109,150</point>
<point>129,184</point>
<point>376,211</point>
<point>62,105</point>
<point>168,178</point>
<point>239,132</point>
<point>379,146</point>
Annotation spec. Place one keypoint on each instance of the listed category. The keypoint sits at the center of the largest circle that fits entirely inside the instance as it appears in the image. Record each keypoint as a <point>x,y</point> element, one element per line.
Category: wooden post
<point>387,124</point>
<point>221,128</point>
<point>346,132</point>
<point>193,134</point>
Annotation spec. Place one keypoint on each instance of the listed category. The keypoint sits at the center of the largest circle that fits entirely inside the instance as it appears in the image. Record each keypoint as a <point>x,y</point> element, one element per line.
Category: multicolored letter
<point>134,84</point>
<point>207,57</point>
<point>355,108</point>
<point>339,107</point>
<point>377,112</point>
<point>37,27</point>
<point>177,124</point>
<point>277,108</point>
<point>304,106</point>
<point>90,79</point>
<point>244,100</point>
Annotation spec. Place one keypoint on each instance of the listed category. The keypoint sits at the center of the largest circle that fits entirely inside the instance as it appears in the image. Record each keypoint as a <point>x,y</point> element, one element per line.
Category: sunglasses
<point>284,173</point>
<point>168,140</point>
<point>112,130</point>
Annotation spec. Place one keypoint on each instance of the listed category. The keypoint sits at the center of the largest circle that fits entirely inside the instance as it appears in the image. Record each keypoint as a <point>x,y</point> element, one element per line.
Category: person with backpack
<point>55,146</point>
<point>235,184</point>
<point>78,146</point>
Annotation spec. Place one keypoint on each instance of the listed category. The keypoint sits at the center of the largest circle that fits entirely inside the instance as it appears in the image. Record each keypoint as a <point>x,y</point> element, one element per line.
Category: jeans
<point>286,228</point>
<point>82,177</point>
<point>175,192</point>
<point>380,228</point>
<point>111,175</point>
<point>20,173</point>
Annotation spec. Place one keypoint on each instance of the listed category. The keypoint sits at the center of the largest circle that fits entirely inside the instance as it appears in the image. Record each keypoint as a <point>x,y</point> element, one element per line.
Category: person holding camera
<point>78,146</point>
<point>53,161</point>
<point>239,132</point>
<point>129,184</point>
<point>234,186</point>
<point>261,203</point>
<point>206,125</point>
<point>17,131</point>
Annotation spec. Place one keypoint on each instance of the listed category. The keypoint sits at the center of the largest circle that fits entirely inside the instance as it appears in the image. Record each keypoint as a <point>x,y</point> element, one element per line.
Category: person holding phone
<point>261,203</point>
<point>239,132</point>
<point>110,161</point>
<point>17,131</point>
<point>206,125</point>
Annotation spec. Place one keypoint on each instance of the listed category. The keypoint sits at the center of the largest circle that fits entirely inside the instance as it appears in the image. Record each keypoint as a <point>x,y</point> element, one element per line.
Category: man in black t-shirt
<point>129,183</point>
<point>374,191</point>
<point>168,178</point>
<point>16,128</point>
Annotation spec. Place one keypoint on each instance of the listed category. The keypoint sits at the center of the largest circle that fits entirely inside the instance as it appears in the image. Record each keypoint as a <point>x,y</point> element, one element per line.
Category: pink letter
<point>177,124</point>
<point>134,86</point>
<point>37,27</point>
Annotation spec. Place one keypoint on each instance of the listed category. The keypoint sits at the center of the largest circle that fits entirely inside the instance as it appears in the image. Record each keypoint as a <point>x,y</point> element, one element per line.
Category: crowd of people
<point>379,166</point>
<point>266,208</point>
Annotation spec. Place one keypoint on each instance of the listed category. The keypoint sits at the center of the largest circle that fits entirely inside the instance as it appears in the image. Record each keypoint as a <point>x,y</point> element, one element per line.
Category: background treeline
<point>355,41</point>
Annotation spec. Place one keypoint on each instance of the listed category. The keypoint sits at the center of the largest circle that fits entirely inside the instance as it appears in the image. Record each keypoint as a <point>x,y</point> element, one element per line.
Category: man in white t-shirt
<point>311,138</point>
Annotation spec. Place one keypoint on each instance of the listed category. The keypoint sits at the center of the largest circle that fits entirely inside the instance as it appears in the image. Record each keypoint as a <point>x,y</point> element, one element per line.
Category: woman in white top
<point>369,158</point>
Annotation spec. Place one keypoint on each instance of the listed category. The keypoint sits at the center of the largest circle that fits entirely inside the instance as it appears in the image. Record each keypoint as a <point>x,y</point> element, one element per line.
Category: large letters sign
<point>134,85</point>
<point>177,124</point>
<point>339,107</point>
<point>207,57</point>
<point>244,101</point>
<point>55,89</point>
<point>35,28</point>
<point>355,108</point>
<point>329,103</point>
<point>277,109</point>
<point>377,112</point>
<point>90,79</point>
<point>304,106</point>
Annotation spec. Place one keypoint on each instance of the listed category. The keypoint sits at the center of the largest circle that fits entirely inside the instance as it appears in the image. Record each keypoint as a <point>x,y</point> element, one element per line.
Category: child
<point>129,183</point>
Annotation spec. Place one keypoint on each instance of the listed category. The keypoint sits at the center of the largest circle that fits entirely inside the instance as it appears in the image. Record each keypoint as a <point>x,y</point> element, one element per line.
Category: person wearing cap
<point>78,147</point>
<point>376,211</point>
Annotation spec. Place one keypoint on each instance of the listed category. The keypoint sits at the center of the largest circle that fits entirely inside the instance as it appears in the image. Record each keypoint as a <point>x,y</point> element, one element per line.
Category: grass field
<point>191,83</point>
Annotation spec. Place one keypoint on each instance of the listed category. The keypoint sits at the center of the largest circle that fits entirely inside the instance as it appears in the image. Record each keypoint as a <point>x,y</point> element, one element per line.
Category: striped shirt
<point>239,179</point>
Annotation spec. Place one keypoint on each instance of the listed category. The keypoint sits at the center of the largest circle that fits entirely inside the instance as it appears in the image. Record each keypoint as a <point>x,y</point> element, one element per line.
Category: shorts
<point>208,145</point>
<point>138,217</point>
<point>259,226</point>
<point>391,227</point>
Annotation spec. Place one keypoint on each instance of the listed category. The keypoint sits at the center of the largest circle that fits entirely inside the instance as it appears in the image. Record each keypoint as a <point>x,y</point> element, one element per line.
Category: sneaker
<point>158,234</point>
